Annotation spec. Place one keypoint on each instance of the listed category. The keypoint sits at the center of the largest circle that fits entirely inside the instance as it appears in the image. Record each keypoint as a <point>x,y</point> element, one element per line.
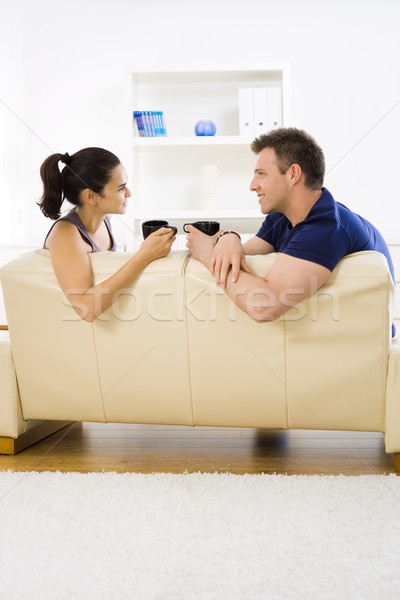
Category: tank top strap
<point>107,221</point>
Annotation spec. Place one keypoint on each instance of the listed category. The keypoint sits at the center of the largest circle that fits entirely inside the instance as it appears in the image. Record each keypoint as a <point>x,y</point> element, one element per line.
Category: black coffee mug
<point>208,227</point>
<point>149,227</point>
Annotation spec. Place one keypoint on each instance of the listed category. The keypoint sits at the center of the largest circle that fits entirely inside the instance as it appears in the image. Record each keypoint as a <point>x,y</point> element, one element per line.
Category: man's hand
<point>200,245</point>
<point>228,256</point>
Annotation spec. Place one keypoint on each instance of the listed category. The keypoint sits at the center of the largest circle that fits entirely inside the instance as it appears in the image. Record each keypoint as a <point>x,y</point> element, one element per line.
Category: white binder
<point>261,111</point>
<point>275,107</point>
<point>246,113</point>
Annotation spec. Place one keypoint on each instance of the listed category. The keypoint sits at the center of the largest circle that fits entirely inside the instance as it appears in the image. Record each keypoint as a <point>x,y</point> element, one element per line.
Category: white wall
<point>64,84</point>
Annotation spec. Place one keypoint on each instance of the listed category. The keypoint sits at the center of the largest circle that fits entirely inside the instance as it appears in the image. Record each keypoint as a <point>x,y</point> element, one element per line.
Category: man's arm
<point>218,255</point>
<point>289,281</point>
<point>229,256</point>
<point>225,256</point>
<point>256,245</point>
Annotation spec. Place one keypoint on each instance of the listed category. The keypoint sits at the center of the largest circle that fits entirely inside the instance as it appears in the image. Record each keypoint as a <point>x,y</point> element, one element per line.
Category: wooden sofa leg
<point>9,445</point>
<point>396,462</point>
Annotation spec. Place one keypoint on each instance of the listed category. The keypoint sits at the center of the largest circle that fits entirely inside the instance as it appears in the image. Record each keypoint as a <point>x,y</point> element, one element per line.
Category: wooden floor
<point>93,447</point>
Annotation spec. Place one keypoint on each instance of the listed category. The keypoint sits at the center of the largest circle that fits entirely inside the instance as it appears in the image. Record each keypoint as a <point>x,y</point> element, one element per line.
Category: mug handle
<point>175,229</point>
<point>184,227</point>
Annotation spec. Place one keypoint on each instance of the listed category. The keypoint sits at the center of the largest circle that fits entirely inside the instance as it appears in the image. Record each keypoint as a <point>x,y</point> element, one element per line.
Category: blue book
<point>138,118</point>
<point>157,123</point>
<point>163,130</point>
<point>148,123</point>
<point>157,129</point>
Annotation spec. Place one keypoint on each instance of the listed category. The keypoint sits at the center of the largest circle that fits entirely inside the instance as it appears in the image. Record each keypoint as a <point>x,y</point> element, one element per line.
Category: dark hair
<point>295,146</point>
<point>88,168</point>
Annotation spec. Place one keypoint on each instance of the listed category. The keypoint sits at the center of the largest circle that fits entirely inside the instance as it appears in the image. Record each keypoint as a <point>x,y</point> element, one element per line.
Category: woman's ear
<point>88,197</point>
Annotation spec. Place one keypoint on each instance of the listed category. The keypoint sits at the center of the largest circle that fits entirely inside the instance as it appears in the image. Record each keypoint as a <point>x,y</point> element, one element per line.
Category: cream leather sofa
<point>175,350</point>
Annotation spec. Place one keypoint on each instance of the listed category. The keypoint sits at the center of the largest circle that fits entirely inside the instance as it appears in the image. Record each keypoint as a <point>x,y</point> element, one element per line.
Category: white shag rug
<point>198,536</point>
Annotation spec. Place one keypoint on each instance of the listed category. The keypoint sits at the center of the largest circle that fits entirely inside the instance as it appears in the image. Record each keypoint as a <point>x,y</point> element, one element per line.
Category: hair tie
<point>65,158</point>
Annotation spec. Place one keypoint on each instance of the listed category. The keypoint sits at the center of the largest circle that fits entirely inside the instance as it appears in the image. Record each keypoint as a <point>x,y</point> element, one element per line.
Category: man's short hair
<point>295,146</point>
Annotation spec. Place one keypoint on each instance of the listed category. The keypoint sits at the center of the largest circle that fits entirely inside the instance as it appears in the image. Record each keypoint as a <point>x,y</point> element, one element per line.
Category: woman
<point>94,181</point>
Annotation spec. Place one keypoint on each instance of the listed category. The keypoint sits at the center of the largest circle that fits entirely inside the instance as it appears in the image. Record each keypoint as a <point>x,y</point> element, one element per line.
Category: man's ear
<point>294,173</point>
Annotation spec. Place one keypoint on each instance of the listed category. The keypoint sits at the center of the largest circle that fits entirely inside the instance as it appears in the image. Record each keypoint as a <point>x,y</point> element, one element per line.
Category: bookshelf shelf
<point>160,142</point>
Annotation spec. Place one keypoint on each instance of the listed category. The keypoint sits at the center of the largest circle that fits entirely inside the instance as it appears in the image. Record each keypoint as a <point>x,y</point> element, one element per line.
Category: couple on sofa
<point>304,224</point>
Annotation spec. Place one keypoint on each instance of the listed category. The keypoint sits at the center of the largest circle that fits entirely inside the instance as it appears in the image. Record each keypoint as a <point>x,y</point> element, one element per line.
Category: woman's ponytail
<point>53,192</point>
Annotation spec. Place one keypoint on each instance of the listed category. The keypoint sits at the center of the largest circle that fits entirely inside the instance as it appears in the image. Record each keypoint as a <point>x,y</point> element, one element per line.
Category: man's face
<point>269,184</point>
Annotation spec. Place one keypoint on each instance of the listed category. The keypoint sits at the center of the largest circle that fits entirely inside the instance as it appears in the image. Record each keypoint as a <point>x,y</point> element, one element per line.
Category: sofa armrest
<point>12,423</point>
<point>392,429</point>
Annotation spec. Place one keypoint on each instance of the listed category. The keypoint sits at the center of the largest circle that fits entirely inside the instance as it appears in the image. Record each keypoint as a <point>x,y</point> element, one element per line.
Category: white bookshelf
<point>167,181</point>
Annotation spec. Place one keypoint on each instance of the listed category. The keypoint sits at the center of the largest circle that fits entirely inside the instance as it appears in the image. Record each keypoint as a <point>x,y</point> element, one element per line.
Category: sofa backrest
<point>175,350</point>
<point>321,366</point>
<point>68,368</point>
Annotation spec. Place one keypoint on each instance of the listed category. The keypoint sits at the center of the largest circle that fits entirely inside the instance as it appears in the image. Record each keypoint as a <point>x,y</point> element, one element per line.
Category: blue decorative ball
<point>205,128</point>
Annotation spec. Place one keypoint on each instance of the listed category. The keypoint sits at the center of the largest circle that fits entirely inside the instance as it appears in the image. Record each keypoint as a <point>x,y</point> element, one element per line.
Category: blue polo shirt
<point>328,233</point>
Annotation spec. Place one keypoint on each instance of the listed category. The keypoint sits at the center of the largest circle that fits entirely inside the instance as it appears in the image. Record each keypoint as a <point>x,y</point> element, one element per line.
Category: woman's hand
<point>158,244</point>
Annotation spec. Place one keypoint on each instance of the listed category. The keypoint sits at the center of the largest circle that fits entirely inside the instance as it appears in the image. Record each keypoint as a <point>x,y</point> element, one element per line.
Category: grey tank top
<point>73,218</point>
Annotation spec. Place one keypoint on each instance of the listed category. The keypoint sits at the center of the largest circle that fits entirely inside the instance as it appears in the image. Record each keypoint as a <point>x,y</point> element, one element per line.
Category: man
<point>304,224</point>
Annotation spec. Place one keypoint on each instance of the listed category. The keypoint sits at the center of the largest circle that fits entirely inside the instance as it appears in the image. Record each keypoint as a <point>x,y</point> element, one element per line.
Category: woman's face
<point>116,193</point>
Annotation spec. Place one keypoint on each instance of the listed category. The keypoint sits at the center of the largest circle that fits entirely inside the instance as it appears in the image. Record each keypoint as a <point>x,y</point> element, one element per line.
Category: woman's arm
<point>71,263</point>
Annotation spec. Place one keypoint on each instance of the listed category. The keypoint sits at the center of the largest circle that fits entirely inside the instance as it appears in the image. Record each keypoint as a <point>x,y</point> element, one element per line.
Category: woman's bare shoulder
<point>64,232</point>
